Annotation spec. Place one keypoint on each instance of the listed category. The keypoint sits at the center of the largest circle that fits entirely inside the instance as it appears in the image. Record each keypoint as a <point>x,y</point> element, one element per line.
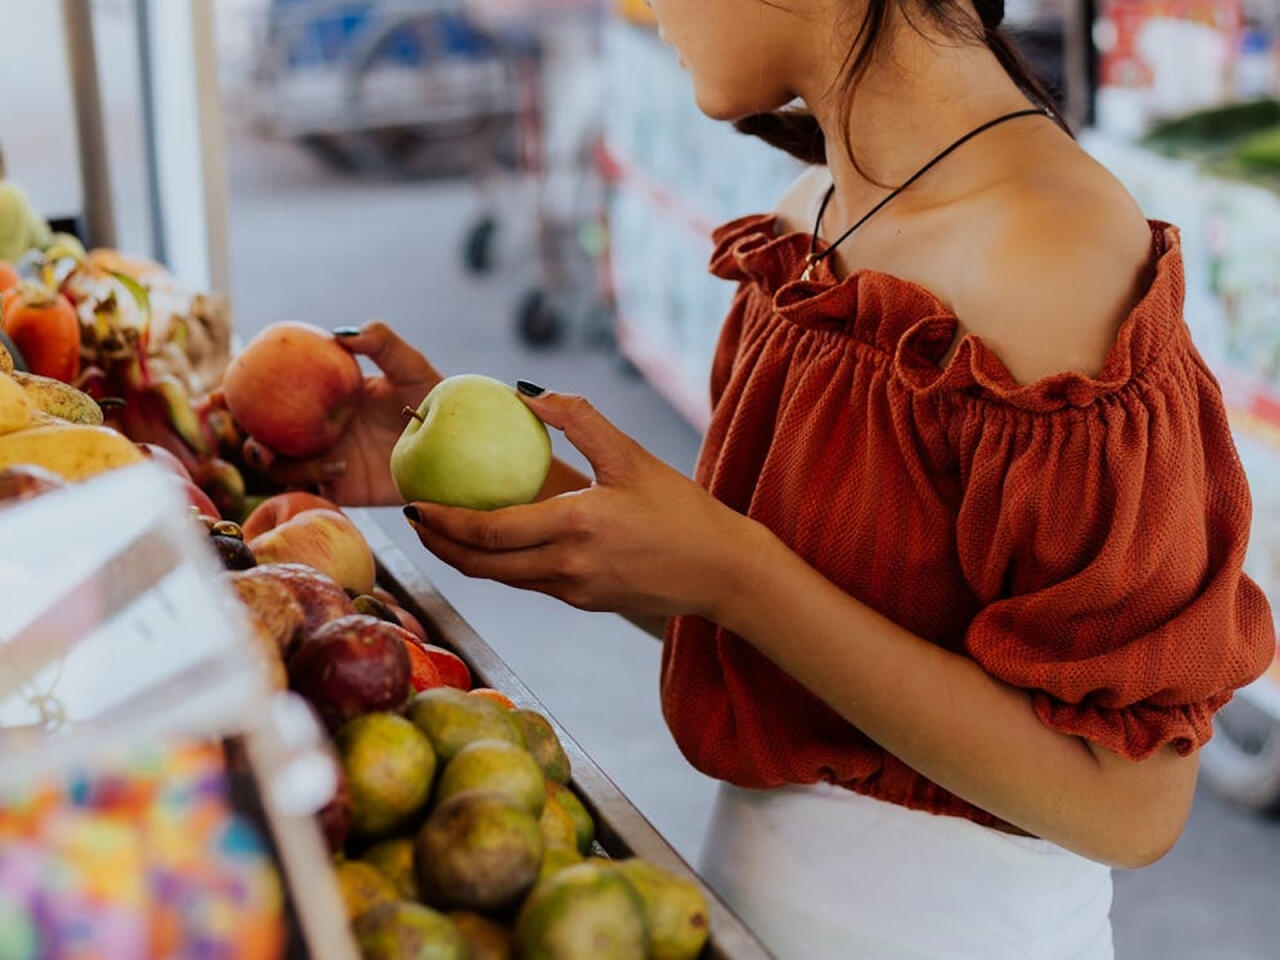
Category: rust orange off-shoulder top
<point>1081,538</point>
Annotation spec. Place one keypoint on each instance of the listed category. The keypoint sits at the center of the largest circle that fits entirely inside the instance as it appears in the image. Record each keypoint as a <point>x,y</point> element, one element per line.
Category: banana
<point>73,451</point>
<point>59,399</point>
<point>15,408</point>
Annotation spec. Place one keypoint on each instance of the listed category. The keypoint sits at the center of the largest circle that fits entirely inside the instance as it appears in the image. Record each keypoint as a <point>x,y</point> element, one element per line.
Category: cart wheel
<point>537,322</point>
<point>1242,761</point>
<point>477,250</point>
<point>597,326</point>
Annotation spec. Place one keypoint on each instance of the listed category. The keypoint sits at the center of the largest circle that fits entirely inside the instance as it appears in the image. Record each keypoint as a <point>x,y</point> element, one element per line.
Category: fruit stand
<point>214,758</point>
<point>365,746</point>
<point>265,750</point>
<point>621,830</point>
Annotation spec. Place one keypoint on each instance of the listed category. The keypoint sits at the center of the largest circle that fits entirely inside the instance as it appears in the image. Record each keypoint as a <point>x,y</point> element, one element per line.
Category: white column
<point>190,154</point>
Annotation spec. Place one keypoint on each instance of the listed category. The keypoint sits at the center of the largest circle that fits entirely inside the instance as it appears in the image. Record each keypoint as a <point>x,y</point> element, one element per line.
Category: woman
<point>958,589</point>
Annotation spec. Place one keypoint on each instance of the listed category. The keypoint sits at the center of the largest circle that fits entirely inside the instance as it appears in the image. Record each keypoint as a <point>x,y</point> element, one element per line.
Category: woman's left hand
<point>642,540</point>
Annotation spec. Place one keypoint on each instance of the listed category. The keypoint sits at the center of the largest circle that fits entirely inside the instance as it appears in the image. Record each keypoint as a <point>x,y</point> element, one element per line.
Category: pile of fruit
<point>455,833</point>
<point>132,350</point>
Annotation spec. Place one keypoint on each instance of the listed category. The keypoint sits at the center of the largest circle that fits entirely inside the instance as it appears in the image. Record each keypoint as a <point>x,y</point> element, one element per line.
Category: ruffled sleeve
<point>1105,542</point>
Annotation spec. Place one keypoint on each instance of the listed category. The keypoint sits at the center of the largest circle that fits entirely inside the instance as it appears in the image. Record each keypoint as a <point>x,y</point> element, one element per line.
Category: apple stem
<point>410,412</point>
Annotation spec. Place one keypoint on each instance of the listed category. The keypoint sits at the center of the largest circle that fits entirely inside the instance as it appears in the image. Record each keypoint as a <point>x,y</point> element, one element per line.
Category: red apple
<point>283,506</point>
<point>23,482</point>
<point>351,666</point>
<point>293,389</point>
<point>324,539</point>
<point>422,668</point>
<point>321,598</point>
<point>453,671</point>
<point>163,458</point>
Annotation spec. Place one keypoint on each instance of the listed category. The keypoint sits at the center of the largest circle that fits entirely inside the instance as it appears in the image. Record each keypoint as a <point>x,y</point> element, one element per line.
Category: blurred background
<point>525,189</point>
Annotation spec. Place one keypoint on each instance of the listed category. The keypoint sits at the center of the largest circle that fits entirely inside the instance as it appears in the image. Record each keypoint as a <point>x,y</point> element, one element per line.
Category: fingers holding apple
<point>315,472</point>
<point>400,363</point>
<point>472,443</point>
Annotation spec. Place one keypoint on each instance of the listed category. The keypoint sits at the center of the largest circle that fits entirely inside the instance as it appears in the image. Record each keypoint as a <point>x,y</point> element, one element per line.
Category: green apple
<point>472,444</point>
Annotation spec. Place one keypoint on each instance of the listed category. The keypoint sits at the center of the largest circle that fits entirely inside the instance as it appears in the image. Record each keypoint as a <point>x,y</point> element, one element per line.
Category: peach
<point>325,540</point>
<point>293,389</point>
<point>283,506</point>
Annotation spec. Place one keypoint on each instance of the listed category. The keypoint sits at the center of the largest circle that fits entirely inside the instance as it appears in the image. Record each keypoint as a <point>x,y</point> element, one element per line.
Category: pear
<point>583,912</point>
<point>675,912</point>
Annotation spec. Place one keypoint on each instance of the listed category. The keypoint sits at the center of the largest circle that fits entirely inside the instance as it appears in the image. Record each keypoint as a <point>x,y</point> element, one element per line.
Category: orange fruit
<point>497,696</point>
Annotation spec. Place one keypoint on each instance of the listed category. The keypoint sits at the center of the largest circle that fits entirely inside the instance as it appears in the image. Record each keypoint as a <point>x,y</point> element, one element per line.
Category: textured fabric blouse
<point>1081,538</point>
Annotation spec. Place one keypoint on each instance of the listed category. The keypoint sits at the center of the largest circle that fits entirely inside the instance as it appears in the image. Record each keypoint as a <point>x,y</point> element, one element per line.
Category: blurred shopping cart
<point>370,84</point>
<point>508,90</point>
<point>558,171</point>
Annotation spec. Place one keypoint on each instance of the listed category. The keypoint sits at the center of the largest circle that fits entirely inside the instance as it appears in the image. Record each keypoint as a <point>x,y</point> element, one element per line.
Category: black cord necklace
<point>814,257</point>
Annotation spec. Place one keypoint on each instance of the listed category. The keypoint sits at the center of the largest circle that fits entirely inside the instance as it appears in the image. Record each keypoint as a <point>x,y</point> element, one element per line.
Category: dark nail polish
<point>411,512</point>
<point>346,331</point>
<point>530,389</point>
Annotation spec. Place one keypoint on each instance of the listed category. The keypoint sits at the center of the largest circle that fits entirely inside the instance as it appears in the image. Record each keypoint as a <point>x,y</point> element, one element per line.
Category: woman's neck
<point>919,94</point>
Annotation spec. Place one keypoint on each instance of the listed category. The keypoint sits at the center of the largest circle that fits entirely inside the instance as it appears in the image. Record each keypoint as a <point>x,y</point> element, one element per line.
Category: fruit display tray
<point>621,830</point>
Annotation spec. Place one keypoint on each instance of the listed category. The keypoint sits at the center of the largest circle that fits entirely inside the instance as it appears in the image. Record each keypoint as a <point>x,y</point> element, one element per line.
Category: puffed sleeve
<point>1105,543</point>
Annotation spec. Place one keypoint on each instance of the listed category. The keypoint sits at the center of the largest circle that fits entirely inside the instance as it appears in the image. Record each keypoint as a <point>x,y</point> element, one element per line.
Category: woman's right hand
<point>357,471</point>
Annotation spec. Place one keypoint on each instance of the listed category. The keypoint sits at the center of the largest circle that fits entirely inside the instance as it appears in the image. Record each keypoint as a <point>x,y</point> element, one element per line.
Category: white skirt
<point>822,872</point>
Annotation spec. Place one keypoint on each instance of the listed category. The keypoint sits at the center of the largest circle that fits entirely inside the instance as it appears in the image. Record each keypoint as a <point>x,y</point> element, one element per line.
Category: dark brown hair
<point>797,131</point>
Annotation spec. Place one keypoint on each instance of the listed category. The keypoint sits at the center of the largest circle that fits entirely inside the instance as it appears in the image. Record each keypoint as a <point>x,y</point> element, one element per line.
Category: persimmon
<point>8,276</point>
<point>496,696</point>
<point>43,325</point>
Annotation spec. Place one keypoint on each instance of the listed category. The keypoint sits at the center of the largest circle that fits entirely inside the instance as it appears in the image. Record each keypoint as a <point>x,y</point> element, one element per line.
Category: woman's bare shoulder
<point>1053,266</point>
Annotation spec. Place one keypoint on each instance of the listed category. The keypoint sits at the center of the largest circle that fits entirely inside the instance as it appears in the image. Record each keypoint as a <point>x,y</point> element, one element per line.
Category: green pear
<point>472,443</point>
